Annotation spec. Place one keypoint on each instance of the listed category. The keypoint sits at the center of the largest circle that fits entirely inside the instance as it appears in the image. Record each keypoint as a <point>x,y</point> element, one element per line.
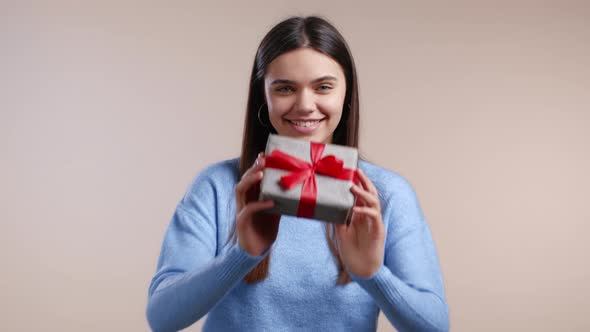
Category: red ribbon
<point>303,171</point>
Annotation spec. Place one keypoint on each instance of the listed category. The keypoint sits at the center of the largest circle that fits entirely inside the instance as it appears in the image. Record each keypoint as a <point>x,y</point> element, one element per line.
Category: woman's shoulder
<point>219,174</point>
<point>400,205</point>
<point>389,183</point>
<point>223,168</point>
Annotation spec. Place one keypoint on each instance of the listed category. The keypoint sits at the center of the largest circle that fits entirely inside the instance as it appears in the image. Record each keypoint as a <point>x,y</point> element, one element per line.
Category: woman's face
<point>305,91</point>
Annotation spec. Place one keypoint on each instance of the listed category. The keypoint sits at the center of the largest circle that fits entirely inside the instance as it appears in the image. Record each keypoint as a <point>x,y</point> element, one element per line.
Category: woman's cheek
<point>333,107</point>
<point>281,106</point>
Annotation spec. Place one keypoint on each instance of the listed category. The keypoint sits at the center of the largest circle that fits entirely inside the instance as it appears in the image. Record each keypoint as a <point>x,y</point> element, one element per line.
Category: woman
<point>216,255</point>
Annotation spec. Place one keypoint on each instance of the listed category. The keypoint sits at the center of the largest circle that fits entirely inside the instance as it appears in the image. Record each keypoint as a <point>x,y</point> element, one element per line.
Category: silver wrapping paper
<point>334,198</point>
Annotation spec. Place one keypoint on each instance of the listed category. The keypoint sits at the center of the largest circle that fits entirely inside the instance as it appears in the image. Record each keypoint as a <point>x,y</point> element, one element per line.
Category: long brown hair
<point>297,32</point>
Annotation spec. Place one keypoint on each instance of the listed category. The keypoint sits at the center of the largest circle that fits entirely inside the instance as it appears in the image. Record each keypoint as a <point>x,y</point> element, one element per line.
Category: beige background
<point>108,110</point>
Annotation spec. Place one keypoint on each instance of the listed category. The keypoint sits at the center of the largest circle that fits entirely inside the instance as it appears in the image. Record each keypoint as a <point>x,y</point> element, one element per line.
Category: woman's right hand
<point>256,230</point>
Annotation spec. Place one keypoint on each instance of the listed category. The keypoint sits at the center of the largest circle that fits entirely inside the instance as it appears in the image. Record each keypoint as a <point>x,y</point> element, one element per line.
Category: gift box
<point>309,180</point>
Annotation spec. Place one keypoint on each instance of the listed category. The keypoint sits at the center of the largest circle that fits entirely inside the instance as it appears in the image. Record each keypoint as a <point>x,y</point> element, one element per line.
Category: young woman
<point>223,256</point>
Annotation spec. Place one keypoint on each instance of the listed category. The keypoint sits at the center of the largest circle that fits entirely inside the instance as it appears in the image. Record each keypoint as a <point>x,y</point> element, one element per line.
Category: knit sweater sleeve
<point>408,287</point>
<point>191,275</point>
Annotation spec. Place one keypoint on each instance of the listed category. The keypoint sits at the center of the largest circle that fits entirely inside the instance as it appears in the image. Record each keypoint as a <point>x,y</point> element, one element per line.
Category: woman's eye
<point>324,87</point>
<point>284,89</point>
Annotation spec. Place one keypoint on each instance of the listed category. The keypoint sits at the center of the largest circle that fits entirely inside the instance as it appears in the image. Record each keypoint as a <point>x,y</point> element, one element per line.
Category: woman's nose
<point>305,101</point>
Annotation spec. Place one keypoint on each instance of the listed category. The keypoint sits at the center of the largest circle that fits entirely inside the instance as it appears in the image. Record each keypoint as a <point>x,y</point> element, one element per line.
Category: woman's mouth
<point>305,126</point>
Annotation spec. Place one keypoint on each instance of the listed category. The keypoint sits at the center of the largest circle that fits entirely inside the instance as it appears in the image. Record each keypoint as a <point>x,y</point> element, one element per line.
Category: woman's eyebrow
<point>323,78</point>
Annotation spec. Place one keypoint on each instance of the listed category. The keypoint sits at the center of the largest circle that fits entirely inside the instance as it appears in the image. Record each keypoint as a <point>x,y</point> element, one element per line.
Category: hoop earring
<point>259,119</point>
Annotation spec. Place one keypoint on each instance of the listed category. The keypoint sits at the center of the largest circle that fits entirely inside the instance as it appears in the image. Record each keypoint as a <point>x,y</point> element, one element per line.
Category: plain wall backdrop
<point>108,109</point>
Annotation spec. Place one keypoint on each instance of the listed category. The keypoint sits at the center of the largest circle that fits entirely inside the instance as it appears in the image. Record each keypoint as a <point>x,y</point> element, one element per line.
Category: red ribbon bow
<point>303,171</point>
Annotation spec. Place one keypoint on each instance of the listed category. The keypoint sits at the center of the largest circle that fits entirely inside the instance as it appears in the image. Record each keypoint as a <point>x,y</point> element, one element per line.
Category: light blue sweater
<point>199,272</point>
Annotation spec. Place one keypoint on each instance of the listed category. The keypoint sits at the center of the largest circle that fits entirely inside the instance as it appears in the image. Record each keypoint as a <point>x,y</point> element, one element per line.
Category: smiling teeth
<point>305,123</point>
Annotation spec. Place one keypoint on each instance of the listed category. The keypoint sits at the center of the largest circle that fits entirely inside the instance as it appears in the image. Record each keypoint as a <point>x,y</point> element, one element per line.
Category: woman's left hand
<point>360,243</point>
